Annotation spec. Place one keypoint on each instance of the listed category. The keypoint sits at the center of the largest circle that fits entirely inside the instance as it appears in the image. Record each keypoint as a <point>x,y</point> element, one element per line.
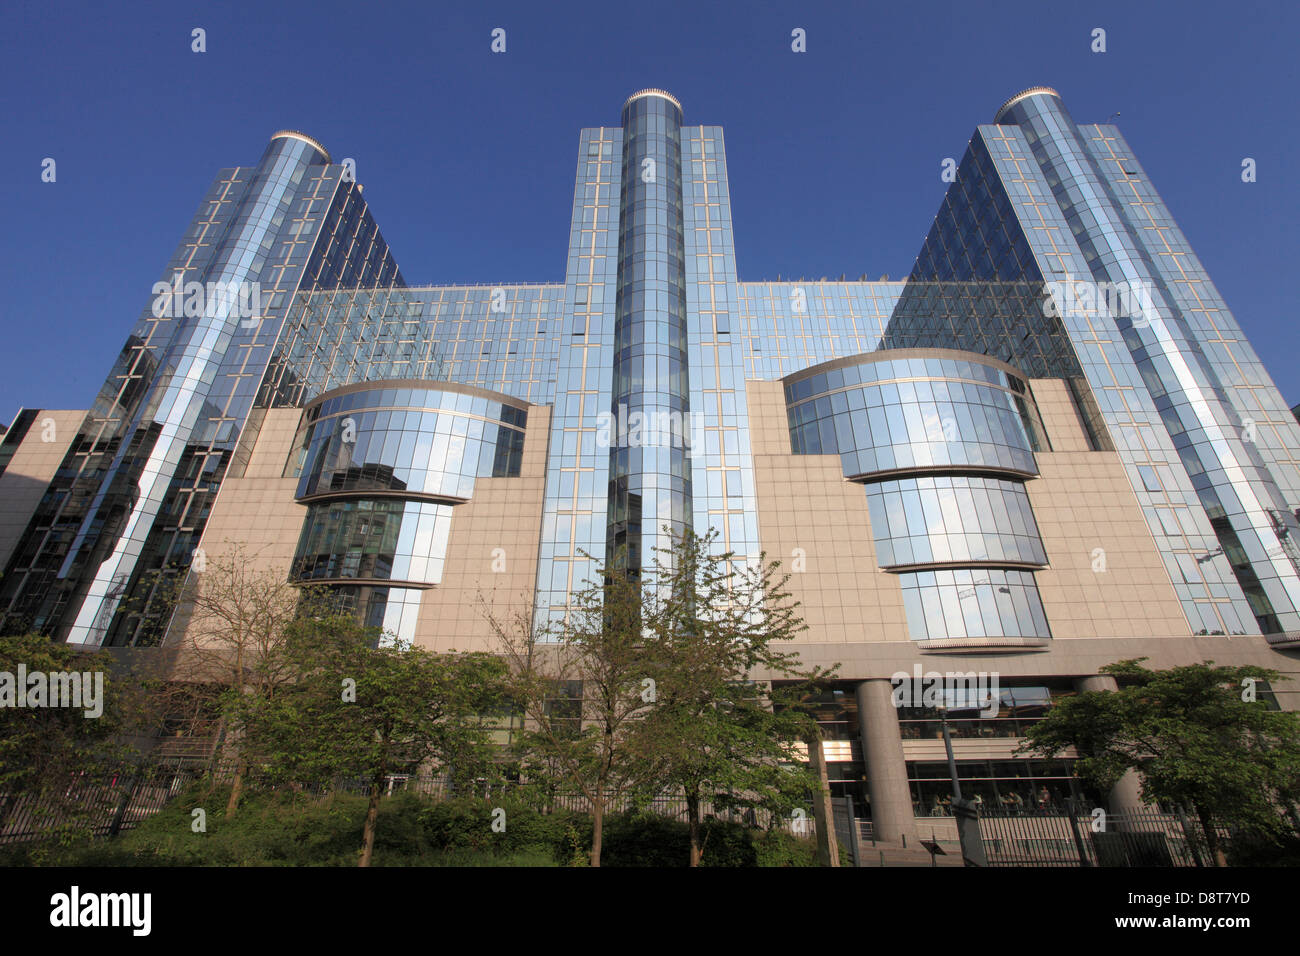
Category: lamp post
<point>963,811</point>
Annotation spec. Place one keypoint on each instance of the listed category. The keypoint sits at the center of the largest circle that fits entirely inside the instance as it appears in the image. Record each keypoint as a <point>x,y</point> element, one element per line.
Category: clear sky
<point>468,157</point>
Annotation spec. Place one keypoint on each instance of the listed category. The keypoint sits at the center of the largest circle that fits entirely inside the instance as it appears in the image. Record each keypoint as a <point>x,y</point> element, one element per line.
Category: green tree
<point>714,733</point>
<point>357,710</point>
<point>579,687</point>
<point>230,625</point>
<point>46,751</point>
<point>1197,736</point>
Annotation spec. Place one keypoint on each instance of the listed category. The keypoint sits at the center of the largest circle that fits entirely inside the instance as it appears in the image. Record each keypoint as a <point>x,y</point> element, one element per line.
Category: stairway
<point>894,854</point>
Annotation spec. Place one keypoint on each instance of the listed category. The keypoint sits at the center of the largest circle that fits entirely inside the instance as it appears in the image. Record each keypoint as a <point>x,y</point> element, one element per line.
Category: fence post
<point>1078,837</point>
<point>115,827</point>
<point>1192,843</point>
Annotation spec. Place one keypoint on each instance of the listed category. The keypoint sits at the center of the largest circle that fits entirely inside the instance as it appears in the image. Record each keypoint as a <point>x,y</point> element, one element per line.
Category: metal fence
<point>107,805</point>
<point>102,805</point>
<point>673,807</point>
<point>1147,837</point>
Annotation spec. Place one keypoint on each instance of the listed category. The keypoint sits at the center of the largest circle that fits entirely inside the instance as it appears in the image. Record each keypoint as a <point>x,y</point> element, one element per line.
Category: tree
<point>46,749</point>
<point>1198,738</point>
<point>364,711</point>
<point>715,733</point>
<point>233,619</point>
<point>661,670</point>
<point>579,686</point>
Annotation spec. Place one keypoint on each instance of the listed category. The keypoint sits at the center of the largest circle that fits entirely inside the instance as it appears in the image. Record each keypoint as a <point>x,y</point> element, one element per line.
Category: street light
<point>963,811</point>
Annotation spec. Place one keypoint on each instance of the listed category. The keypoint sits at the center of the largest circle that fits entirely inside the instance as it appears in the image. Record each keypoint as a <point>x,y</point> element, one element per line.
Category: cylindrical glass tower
<point>649,464</point>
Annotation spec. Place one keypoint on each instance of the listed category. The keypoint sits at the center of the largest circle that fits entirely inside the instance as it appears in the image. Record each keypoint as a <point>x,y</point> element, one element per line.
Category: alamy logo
<point>102,909</point>
<point>208,300</point>
<point>657,429</point>
<point>1076,298</point>
<point>82,690</point>
<point>955,690</point>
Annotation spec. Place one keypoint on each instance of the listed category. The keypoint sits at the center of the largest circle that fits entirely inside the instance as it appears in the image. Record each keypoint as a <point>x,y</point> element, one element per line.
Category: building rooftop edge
<point>653,91</point>
<point>1024,94</point>
<point>294,134</point>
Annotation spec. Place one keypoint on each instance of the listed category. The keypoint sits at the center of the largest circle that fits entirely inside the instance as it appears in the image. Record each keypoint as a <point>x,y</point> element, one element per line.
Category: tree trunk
<point>828,853</point>
<point>693,823</point>
<point>372,816</point>
<point>1211,838</point>
<point>236,788</point>
<point>237,785</point>
<point>376,789</point>
<point>597,827</point>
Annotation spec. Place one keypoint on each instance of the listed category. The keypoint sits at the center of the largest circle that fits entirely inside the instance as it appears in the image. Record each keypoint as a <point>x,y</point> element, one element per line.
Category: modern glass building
<point>138,479</point>
<point>1050,448</point>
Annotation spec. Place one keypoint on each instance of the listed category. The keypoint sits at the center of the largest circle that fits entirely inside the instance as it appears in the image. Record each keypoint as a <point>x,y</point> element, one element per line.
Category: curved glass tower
<point>649,462</point>
<point>943,442</point>
<point>381,467</point>
<point>131,499</point>
<point>1183,397</point>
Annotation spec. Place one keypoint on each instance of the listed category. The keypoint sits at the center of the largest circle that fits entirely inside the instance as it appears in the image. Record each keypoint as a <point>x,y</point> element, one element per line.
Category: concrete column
<point>882,749</point>
<point>1125,796</point>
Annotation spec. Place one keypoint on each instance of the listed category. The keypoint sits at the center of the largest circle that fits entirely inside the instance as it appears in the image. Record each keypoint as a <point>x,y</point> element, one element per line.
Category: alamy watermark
<point>1076,298</point>
<point>656,429</point>
<point>76,908</point>
<point>954,690</point>
<point>210,300</point>
<point>82,690</point>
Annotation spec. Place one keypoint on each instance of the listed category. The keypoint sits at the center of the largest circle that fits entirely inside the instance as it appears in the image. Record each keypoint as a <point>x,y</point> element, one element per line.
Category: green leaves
<point>660,668</point>
<point>47,749</point>
<point>356,709</point>
<point>715,732</point>
<point>1197,737</point>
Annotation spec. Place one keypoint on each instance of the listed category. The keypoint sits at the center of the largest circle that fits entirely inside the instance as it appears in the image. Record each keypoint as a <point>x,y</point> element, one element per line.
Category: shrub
<point>286,829</point>
<point>778,848</point>
<point>1248,850</point>
<point>465,823</point>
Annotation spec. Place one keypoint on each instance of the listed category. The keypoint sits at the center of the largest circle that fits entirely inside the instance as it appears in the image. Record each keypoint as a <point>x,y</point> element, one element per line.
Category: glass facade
<point>720,459</point>
<point>1016,786</point>
<point>409,438</point>
<point>14,435</point>
<point>966,604</point>
<point>574,508</point>
<point>943,443</point>
<point>394,610</point>
<point>1019,708</point>
<point>642,350</point>
<point>649,481</point>
<point>381,467</point>
<point>505,338</point>
<point>883,414</point>
<point>953,518</point>
<point>1210,449</point>
<point>384,539</point>
<point>130,501</point>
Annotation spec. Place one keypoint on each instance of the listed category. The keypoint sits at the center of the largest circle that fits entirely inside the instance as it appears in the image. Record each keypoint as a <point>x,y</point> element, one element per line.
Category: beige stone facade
<point>1105,590</point>
<point>492,552</point>
<point>33,464</point>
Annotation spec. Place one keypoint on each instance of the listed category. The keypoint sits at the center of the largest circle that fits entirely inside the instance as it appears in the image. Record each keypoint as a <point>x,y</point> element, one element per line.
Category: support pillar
<point>1125,796</point>
<point>882,750</point>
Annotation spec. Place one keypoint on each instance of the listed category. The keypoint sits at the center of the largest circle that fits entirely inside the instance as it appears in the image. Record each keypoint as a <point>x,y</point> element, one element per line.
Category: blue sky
<point>468,157</point>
